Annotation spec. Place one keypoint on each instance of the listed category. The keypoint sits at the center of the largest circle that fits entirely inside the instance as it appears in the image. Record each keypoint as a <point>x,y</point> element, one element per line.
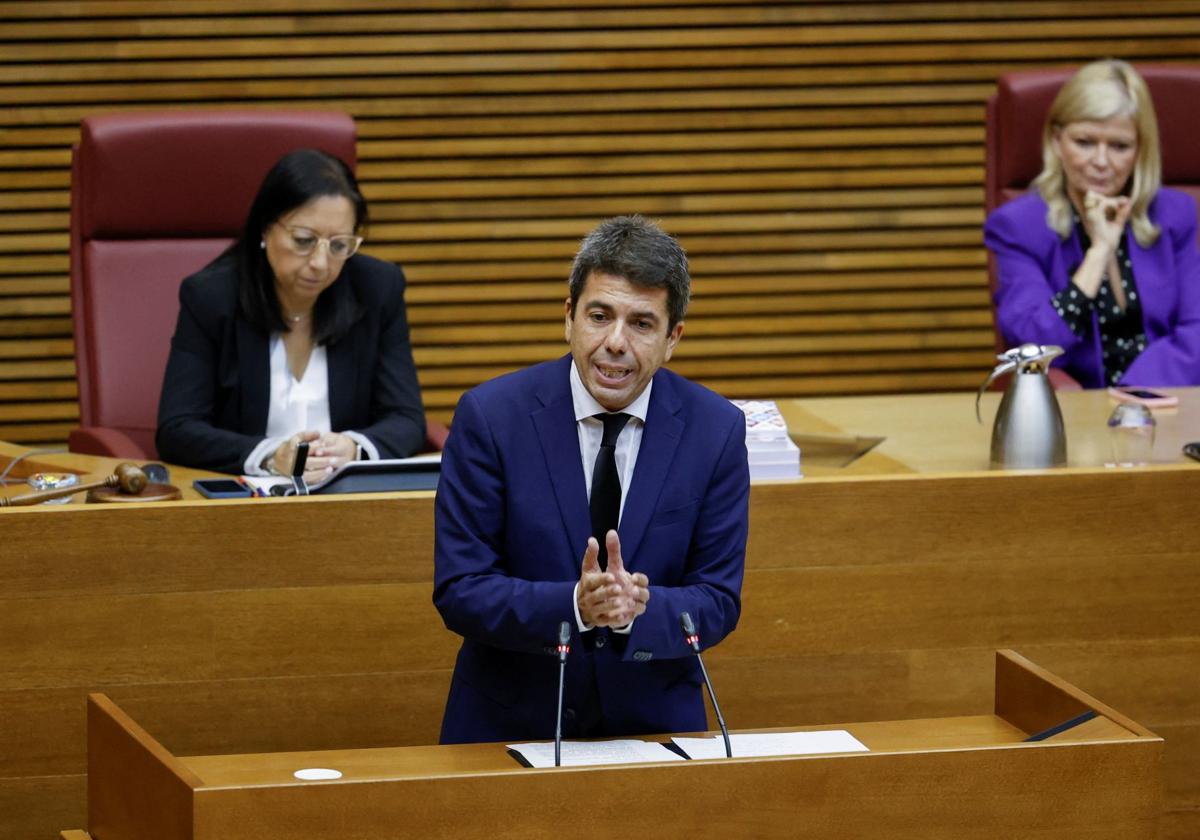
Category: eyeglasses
<point>302,242</point>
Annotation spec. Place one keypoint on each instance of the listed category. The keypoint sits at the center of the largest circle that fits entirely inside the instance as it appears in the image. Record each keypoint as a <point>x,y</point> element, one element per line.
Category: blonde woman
<point>1099,257</point>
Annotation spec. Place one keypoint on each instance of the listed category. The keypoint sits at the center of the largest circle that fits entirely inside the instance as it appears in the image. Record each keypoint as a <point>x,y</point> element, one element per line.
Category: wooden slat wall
<point>822,162</point>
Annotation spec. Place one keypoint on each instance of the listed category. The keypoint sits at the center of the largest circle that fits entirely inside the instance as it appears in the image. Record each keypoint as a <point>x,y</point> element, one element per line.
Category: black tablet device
<point>380,477</point>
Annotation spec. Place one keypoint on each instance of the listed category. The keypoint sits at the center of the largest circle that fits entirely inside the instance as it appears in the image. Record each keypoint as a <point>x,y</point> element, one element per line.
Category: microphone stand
<point>564,647</point>
<point>693,640</point>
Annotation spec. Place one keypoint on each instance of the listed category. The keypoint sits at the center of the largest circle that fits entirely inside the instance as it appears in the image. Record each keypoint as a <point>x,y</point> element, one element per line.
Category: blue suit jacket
<point>512,524</point>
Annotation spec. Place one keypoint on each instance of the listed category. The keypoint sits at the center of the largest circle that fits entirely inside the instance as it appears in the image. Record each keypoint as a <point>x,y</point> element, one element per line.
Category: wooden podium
<point>955,778</point>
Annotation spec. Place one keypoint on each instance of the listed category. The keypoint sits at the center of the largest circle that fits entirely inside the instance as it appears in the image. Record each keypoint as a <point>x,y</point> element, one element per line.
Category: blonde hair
<point>1100,91</point>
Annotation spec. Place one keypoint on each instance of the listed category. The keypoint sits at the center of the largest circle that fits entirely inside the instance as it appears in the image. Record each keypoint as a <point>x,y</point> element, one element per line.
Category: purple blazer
<point>1034,264</point>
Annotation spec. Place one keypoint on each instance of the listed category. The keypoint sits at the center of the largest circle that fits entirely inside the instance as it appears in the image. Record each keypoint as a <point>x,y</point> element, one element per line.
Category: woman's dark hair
<point>296,179</point>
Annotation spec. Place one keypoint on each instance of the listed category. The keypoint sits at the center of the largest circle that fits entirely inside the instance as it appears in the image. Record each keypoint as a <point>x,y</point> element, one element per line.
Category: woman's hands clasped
<point>326,452</point>
<point>1105,217</point>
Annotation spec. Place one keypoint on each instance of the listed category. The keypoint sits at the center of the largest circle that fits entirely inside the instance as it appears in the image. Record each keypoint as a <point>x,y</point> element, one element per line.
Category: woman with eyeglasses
<point>292,336</point>
<point>1100,258</point>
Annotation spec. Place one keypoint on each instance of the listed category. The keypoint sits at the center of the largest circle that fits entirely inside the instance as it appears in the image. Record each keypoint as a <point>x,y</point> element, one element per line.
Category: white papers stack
<point>585,753</point>
<point>745,745</point>
<point>756,745</point>
<point>771,452</point>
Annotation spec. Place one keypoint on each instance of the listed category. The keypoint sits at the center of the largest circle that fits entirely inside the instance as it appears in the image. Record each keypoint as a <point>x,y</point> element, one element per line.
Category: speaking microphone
<point>693,640</point>
<point>564,647</point>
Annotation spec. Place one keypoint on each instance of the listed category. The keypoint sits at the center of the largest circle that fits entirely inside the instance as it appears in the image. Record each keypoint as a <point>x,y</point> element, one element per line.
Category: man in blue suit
<point>520,548</point>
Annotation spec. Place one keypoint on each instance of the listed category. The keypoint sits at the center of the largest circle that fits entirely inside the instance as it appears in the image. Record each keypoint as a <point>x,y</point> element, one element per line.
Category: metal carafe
<point>1028,431</point>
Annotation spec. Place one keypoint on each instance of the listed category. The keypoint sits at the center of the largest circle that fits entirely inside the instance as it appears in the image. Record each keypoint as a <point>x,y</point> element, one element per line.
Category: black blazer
<point>216,390</point>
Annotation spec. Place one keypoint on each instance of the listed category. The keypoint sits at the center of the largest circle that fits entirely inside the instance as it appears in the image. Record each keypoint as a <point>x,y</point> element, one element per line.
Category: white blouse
<point>301,404</point>
<point>297,405</point>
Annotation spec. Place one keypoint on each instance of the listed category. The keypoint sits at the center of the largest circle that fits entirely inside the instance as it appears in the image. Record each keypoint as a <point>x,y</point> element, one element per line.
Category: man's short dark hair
<point>635,248</point>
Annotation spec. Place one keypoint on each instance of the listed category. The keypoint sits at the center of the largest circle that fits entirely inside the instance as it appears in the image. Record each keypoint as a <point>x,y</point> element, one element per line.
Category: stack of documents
<point>772,453</point>
<point>744,744</point>
<point>750,744</point>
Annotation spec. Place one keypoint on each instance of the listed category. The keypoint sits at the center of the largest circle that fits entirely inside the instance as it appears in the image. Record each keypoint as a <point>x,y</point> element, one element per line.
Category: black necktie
<point>605,503</point>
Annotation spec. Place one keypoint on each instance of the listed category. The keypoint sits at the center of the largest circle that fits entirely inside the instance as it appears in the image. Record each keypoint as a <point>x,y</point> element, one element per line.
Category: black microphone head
<point>685,621</point>
<point>564,641</point>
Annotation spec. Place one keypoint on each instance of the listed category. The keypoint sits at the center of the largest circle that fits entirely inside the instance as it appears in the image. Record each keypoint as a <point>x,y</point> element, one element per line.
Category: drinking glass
<point>1131,433</point>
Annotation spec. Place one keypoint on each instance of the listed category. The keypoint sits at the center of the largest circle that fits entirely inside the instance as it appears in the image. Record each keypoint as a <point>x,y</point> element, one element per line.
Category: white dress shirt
<point>591,433</point>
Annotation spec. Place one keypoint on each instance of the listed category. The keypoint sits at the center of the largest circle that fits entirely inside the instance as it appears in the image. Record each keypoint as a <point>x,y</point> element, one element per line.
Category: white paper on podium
<point>584,753</point>
<point>756,745</point>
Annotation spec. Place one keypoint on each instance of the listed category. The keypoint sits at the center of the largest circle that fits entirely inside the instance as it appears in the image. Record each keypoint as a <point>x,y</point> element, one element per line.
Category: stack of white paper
<point>747,745</point>
<point>771,452</point>
<point>588,753</point>
<point>744,744</point>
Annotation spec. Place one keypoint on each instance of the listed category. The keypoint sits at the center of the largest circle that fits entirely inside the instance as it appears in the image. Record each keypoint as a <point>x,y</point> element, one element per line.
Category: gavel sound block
<point>126,484</point>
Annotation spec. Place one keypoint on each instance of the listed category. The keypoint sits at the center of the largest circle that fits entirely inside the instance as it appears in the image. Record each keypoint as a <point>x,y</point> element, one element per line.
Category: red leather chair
<point>1017,112</point>
<point>154,197</point>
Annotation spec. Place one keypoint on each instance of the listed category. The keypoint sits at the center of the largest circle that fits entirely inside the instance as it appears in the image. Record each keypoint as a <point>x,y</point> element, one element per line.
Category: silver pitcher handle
<point>1008,367</point>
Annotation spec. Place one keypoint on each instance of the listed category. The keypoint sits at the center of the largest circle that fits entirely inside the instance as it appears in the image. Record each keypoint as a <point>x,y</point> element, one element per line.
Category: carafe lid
<point>1028,358</point>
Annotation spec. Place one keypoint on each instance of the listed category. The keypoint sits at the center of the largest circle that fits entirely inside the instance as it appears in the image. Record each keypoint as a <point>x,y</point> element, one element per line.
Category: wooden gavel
<point>126,477</point>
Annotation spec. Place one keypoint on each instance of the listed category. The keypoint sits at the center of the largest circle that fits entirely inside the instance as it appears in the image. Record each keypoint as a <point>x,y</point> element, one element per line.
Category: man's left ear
<point>673,339</point>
